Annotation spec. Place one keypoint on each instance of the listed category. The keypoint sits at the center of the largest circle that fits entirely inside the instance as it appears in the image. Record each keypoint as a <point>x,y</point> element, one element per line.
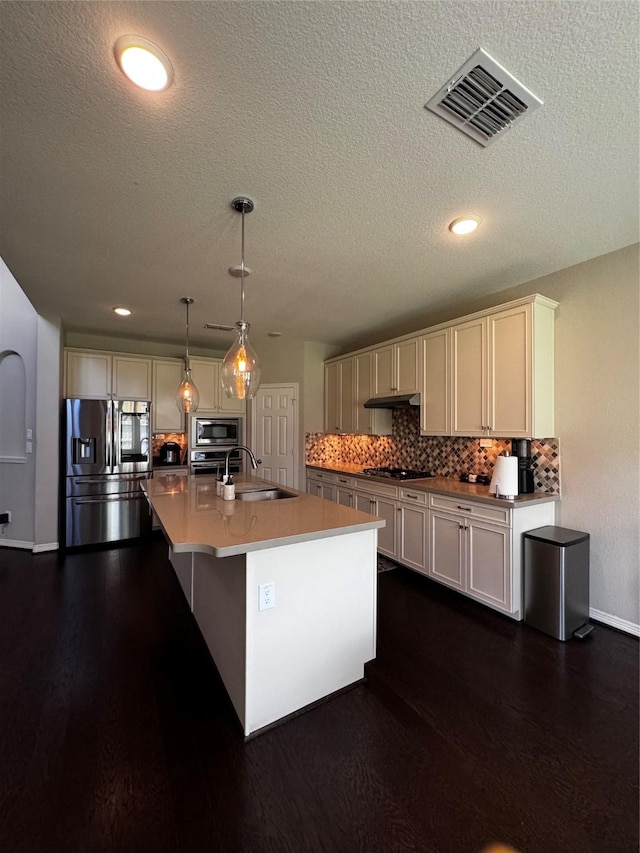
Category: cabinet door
<point>362,377</point>
<point>469,370</point>
<point>347,401</point>
<point>489,563</point>
<point>314,487</point>
<point>510,397</point>
<point>88,375</point>
<point>344,496</point>
<point>228,405</point>
<point>206,375</point>
<point>446,549</point>
<point>435,409</point>
<point>167,376</point>
<point>131,378</point>
<point>332,393</point>
<point>387,535</point>
<point>407,367</point>
<point>412,536</point>
<point>368,421</point>
<point>383,372</point>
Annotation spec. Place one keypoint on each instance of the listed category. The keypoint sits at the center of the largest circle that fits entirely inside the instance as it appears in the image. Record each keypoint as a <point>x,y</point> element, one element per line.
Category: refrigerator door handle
<point>126,496</point>
<point>108,434</point>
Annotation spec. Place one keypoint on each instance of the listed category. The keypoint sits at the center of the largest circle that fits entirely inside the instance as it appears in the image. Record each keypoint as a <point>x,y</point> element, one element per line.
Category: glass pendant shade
<point>241,371</point>
<point>187,395</point>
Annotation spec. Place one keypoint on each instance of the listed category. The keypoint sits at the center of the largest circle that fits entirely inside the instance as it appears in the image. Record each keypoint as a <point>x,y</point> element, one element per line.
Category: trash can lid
<point>557,535</point>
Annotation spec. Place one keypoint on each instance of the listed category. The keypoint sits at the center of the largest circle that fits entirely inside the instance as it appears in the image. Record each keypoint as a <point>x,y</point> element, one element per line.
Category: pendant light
<point>241,370</point>
<point>187,395</point>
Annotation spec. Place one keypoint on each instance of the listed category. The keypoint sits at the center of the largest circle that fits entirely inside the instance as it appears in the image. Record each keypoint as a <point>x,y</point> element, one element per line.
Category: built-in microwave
<point>212,432</point>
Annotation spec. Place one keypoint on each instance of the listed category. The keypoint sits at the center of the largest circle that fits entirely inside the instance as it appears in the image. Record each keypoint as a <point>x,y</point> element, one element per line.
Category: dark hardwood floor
<point>116,735</point>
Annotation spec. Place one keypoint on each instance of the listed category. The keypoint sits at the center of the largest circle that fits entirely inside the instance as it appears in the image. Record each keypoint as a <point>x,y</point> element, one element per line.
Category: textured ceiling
<point>111,195</point>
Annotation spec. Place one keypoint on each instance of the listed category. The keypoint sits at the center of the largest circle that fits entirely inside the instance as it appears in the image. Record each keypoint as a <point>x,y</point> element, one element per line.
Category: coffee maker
<point>521,447</point>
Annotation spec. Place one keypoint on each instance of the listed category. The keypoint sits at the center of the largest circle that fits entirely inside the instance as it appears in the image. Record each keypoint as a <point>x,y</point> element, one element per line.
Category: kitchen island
<point>318,562</point>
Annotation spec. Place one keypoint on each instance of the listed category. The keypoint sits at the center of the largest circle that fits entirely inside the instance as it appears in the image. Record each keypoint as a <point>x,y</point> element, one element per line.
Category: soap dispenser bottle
<point>229,490</point>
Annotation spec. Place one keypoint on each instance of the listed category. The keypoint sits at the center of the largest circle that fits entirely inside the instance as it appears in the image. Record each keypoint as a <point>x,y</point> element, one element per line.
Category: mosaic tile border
<point>443,456</point>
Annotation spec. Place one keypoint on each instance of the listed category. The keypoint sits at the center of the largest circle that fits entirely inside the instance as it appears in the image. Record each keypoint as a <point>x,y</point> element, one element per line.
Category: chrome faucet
<point>254,461</point>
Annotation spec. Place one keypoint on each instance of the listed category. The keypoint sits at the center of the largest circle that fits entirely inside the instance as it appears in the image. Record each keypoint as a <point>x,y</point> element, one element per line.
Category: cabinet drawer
<point>366,485</point>
<point>325,476</point>
<point>412,496</point>
<point>472,509</point>
<point>341,480</point>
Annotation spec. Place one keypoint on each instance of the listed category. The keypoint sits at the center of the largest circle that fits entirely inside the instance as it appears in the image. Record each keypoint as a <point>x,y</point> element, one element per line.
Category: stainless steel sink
<point>263,495</point>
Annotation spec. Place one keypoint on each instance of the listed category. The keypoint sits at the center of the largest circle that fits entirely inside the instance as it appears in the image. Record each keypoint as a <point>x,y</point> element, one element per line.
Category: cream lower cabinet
<point>322,484</point>
<point>412,541</point>
<point>477,549</point>
<point>383,506</point>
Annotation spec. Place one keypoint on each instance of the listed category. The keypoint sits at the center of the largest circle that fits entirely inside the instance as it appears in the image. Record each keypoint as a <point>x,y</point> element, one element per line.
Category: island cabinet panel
<point>219,608</point>
<point>308,645</point>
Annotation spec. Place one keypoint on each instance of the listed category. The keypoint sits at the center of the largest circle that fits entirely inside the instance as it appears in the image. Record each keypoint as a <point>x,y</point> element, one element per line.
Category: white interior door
<point>274,432</point>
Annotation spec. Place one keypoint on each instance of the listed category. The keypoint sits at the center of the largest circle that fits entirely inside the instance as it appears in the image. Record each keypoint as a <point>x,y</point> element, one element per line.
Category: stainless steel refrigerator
<point>107,454</point>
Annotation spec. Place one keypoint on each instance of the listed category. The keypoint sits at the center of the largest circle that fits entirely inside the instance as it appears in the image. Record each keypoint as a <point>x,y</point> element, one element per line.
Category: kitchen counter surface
<point>441,486</point>
<point>194,519</point>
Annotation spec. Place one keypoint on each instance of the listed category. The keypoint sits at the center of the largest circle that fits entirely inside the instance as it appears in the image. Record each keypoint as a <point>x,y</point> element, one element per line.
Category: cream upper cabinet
<point>469,378</point>
<point>396,368</point>
<point>502,373</point>
<point>213,398</point>
<point>339,390</point>
<point>100,376</point>
<point>167,376</point>
<point>520,399</point>
<point>131,378</point>
<point>435,407</point>
<point>368,421</point>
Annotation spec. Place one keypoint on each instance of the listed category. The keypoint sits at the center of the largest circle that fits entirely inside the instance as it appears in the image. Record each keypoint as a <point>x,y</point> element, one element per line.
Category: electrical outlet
<point>5,518</point>
<point>266,596</point>
<point>486,442</point>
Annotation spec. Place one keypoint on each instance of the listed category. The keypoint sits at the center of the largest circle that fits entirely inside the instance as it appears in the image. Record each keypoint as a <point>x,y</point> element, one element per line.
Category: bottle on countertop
<point>220,485</point>
<point>229,490</point>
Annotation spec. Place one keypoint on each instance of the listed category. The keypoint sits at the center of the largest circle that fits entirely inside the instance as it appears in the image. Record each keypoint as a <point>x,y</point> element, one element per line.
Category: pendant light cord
<point>186,358</point>
<point>242,273</point>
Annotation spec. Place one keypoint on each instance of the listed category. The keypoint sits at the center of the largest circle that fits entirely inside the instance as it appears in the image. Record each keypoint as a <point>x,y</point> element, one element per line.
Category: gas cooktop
<point>397,473</point>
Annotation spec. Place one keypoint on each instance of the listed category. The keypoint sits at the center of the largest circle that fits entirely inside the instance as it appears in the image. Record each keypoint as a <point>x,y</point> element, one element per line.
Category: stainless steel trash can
<point>556,580</point>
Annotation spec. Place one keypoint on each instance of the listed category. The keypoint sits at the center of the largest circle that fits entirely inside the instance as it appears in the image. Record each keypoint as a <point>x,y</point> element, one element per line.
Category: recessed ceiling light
<point>465,224</point>
<point>143,63</point>
<point>121,311</point>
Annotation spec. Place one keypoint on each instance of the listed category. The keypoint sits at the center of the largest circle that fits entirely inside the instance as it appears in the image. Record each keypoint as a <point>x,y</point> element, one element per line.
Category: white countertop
<point>441,486</point>
<point>195,519</point>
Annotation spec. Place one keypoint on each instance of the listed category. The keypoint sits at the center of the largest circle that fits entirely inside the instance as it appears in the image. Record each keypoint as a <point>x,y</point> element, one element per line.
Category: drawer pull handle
<point>412,497</point>
<point>465,508</point>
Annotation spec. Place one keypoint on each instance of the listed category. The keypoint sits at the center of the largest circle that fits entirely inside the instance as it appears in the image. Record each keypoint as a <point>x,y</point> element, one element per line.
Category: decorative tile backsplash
<point>443,456</point>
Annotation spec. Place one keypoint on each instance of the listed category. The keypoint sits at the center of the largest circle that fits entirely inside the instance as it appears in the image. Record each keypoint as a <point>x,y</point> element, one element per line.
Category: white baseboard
<point>46,546</point>
<point>615,622</point>
<point>16,543</point>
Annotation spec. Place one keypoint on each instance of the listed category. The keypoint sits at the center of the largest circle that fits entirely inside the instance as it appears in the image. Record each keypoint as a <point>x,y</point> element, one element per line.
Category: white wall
<point>29,486</point>
<point>597,378</point>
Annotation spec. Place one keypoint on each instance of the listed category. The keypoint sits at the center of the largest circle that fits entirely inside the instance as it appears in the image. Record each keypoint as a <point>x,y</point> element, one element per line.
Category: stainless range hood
<point>400,401</point>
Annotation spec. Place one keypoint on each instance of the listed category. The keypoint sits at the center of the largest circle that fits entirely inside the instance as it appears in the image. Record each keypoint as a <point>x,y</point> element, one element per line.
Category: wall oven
<point>214,432</point>
<point>212,461</point>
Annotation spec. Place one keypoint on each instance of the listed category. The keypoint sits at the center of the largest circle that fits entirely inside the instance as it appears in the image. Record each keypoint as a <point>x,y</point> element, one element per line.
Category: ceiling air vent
<point>482,99</point>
